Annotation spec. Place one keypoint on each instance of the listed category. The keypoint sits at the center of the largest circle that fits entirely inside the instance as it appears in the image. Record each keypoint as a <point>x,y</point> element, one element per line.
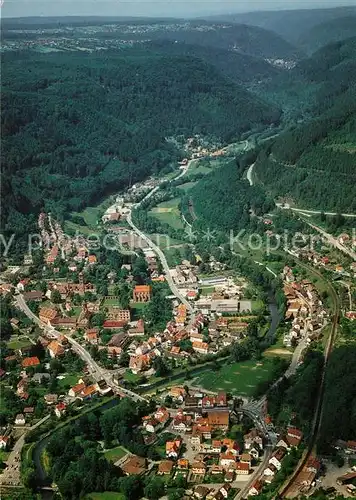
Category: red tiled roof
<point>114,324</point>
<point>33,361</point>
<point>142,289</point>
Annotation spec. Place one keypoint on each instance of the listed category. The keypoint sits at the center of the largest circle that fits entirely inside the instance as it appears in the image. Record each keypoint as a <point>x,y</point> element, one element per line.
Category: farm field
<point>237,378</point>
<point>115,454</point>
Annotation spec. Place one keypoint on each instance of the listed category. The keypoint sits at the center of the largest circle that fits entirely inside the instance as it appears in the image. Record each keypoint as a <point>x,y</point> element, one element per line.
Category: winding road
<point>249,174</point>
<point>286,206</point>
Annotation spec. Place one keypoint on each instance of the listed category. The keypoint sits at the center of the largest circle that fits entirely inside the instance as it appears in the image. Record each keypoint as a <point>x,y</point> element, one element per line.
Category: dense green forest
<point>78,126</point>
<point>339,415</point>
<point>77,465</point>
<point>224,201</point>
<point>293,400</point>
<point>313,164</point>
<point>330,31</point>
<point>242,68</point>
<point>292,25</point>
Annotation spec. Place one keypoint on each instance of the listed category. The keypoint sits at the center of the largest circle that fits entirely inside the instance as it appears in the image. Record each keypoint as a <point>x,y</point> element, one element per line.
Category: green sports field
<point>237,378</point>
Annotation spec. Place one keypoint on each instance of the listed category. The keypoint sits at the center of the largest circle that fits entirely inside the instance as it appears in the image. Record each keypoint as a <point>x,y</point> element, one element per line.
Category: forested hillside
<point>77,126</point>
<point>292,25</point>
<point>328,32</point>
<point>339,416</point>
<point>242,68</point>
<point>313,164</point>
<point>224,201</point>
<point>250,40</point>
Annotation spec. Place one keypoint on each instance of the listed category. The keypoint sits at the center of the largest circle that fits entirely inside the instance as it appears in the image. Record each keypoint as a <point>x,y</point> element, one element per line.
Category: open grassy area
<point>186,186</point>
<point>72,228</point>
<point>4,455</point>
<point>207,290</point>
<point>131,377</point>
<point>237,378</point>
<point>257,305</point>
<point>106,495</point>
<point>18,343</point>
<point>69,379</point>
<point>110,302</point>
<point>45,460</point>
<point>115,454</point>
<point>92,215</point>
<point>168,213</point>
<point>163,241</point>
<point>174,256</point>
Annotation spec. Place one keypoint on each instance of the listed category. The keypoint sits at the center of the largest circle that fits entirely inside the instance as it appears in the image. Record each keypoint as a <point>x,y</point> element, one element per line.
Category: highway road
<point>97,372</point>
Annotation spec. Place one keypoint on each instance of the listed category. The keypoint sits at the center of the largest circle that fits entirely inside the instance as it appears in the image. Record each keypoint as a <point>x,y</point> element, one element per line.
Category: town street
<point>11,475</point>
<point>175,290</point>
<point>98,373</point>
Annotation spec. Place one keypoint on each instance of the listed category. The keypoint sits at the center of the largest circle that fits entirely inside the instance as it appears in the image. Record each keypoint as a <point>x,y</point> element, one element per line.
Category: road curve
<point>249,174</point>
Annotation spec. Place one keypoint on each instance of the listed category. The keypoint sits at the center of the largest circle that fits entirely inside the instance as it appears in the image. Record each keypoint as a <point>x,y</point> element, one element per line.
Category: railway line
<point>291,483</point>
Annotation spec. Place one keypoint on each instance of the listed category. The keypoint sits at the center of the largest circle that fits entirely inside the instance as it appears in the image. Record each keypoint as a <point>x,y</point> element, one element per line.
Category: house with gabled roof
<point>294,436</point>
<point>173,448</point>
<point>256,488</point>
<point>30,362</point>
<point>55,349</point>
<point>4,442</point>
<point>165,467</point>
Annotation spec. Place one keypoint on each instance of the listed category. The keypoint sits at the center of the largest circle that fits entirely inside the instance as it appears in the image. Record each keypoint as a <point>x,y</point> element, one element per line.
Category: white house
<point>4,441</point>
<point>20,419</point>
<point>226,460</point>
<point>60,409</point>
<point>256,488</point>
<point>277,457</point>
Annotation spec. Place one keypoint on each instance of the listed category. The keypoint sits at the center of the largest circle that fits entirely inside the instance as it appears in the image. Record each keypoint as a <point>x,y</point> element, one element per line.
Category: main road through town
<point>175,290</point>
<point>96,370</point>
